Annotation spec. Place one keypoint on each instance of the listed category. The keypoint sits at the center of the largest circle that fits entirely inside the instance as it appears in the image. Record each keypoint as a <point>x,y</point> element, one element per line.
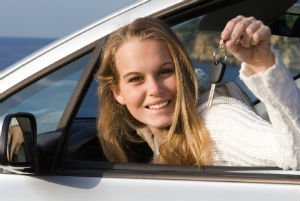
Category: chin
<point>163,125</point>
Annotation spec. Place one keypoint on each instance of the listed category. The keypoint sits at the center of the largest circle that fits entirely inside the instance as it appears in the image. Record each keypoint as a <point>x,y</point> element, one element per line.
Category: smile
<point>158,106</point>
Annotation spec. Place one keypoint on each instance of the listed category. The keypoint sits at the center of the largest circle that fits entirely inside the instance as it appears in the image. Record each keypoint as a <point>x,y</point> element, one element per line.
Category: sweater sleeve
<point>241,138</point>
<point>277,90</point>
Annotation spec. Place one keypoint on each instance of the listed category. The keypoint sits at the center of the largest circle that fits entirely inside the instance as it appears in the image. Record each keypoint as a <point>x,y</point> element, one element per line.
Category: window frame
<point>63,166</point>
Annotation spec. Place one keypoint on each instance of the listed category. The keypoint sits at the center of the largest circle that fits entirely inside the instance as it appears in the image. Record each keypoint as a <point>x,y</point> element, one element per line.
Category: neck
<point>159,134</point>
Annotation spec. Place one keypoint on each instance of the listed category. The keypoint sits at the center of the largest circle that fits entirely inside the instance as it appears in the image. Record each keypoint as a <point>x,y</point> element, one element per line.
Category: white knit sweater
<point>241,138</point>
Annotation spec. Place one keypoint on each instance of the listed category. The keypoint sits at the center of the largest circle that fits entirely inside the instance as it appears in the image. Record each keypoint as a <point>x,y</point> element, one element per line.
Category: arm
<point>249,40</point>
<point>277,90</point>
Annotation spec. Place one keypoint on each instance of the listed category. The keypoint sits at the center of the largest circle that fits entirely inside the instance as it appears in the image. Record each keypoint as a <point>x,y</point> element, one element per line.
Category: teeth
<point>158,106</point>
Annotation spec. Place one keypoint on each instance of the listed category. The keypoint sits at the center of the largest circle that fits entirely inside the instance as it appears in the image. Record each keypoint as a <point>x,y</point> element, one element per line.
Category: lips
<point>158,105</point>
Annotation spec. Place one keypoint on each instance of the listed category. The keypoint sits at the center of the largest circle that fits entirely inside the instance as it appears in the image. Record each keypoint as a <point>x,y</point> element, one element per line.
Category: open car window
<point>83,143</point>
<point>200,45</point>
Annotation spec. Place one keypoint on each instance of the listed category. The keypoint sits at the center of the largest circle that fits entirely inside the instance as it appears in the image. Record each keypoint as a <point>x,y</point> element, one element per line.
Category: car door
<point>168,182</point>
<point>71,162</point>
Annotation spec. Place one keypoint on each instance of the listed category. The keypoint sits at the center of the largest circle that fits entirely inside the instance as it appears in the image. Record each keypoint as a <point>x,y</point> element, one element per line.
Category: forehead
<point>141,53</point>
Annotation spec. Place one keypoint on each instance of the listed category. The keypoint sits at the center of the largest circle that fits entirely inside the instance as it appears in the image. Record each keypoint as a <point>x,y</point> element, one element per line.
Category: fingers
<point>261,34</point>
<point>247,39</point>
<point>245,32</point>
<point>238,29</point>
<point>226,34</point>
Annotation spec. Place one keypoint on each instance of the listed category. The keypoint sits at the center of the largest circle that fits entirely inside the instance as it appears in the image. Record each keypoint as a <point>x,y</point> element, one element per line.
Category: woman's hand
<point>248,40</point>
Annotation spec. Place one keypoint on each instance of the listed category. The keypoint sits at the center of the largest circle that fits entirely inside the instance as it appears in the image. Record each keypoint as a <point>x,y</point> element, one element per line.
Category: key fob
<point>217,72</point>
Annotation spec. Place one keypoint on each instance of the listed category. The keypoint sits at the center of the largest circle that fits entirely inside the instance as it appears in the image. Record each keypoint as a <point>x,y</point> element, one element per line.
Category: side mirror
<point>18,142</point>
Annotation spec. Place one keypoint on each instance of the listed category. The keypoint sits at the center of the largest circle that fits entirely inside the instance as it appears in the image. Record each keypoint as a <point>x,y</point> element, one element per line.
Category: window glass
<point>200,45</point>
<point>89,106</point>
<point>47,97</point>
<point>83,143</point>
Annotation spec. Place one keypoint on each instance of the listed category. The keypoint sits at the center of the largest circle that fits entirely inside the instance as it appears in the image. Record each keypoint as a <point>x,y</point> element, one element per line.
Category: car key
<point>216,73</point>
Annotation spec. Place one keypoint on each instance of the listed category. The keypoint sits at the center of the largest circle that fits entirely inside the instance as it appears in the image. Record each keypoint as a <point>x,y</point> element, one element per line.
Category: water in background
<point>13,49</point>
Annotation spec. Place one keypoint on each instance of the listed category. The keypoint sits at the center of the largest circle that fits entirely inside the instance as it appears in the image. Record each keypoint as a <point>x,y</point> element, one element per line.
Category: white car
<point>53,97</point>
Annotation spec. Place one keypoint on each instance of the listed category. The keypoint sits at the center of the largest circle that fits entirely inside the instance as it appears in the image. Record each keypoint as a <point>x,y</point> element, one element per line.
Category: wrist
<point>261,66</point>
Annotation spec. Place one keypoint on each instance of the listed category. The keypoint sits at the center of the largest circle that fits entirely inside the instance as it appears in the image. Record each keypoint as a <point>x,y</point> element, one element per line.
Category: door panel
<point>61,188</point>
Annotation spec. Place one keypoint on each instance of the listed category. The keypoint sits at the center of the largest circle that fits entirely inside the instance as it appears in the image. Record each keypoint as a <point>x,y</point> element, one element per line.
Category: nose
<point>154,87</point>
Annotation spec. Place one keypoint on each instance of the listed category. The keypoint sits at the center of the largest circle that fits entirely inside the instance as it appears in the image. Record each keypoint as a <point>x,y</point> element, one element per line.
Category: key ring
<point>221,47</point>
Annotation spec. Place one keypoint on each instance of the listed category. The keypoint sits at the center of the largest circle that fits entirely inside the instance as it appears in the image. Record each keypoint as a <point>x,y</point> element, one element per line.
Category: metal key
<point>216,75</point>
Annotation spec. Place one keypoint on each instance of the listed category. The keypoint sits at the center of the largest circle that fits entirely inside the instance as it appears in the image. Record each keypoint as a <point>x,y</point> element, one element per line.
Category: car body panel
<point>96,181</point>
<point>61,188</point>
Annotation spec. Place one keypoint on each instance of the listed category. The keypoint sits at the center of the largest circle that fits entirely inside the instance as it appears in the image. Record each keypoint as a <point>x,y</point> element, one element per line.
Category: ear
<point>118,95</point>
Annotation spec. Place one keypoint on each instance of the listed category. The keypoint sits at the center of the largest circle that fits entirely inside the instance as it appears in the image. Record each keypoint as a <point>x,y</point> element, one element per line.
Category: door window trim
<point>75,101</point>
<point>176,172</point>
<point>151,171</point>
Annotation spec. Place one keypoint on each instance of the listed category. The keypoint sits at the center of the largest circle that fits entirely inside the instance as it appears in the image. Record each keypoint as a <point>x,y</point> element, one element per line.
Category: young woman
<point>149,88</point>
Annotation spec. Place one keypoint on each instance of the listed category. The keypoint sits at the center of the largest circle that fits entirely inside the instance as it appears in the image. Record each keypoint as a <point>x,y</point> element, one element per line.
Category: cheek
<point>132,97</point>
<point>172,85</point>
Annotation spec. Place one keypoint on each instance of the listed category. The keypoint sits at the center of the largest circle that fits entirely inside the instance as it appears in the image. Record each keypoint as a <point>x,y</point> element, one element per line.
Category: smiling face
<point>147,82</point>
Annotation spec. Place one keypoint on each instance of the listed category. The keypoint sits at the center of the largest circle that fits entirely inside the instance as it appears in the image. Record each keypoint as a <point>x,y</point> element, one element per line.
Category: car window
<point>200,45</point>
<point>89,106</point>
<point>47,97</point>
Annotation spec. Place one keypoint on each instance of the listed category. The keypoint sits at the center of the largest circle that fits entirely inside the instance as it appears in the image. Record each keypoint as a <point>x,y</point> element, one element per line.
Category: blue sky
<point>52,18</point>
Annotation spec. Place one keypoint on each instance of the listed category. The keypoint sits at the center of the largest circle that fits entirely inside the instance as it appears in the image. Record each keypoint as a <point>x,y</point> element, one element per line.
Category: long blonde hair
<point>187,141</point>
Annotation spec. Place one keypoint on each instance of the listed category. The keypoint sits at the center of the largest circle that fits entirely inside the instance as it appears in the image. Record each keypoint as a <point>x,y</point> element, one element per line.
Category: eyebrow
<point>136,73</point>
